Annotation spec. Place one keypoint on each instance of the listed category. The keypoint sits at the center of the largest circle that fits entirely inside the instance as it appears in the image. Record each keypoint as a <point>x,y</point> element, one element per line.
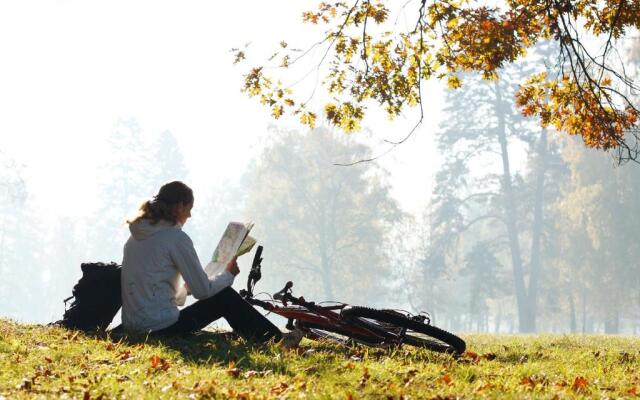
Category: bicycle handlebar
<point>257,258</point>
<point>254,274</point>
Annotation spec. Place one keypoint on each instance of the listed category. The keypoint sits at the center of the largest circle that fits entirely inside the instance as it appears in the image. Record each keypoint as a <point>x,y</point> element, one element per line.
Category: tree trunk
<point>326,277</point>
<point>584,310</point>
<point>572,314</point>
<point>612,323</point>
<point>526,322</point>
<point>536,231</point>
<point>612,316</point>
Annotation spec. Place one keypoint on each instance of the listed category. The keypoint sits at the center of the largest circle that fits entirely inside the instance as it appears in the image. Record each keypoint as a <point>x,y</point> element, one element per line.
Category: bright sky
<point>72,68</point>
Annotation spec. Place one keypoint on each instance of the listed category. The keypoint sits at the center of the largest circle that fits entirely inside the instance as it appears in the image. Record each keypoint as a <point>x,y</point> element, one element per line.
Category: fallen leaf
<point>471,355</point>
<point>26,384</point>
<point>155,361</point>
<point>86,396</point>
<point>250,374</point>
<point>579,383</point>
<point>349,366</point>
<point>72,336</point>
<point>412,372</point>
<point>110,346</point>
<point>483,386</point>
<point>528,381</point>
<point>632,392</point>
<point>446,379</point>
<point>626,357</point>
<point>365,377</point>
<point>48,359</point>
<point>279,389</point>
<point>489,356</point>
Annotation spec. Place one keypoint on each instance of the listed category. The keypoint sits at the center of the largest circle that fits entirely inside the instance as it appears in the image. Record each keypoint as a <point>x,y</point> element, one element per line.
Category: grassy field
<point>43,362</point>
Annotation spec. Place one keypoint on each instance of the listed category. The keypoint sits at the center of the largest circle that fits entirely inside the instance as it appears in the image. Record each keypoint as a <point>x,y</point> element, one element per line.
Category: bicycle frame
<point>302,312</point>
<point>373,327</point>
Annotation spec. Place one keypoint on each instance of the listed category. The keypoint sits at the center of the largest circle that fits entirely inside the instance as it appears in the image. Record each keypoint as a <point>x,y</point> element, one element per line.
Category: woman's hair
<point>163,205</point>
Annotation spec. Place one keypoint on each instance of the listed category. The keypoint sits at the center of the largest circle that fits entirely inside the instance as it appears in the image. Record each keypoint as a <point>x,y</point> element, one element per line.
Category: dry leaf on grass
<point>364,378</point>
<point>159,363</point>
<point>279,389</point>
<point>579,384</point>
<point>233,370</point>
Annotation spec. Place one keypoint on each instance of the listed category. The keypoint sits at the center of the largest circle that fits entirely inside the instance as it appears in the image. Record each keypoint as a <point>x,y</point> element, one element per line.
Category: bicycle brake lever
<point>284,292</point>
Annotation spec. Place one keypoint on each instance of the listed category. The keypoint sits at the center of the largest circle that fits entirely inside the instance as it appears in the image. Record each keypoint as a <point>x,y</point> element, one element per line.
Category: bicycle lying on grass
<point>344,323</point>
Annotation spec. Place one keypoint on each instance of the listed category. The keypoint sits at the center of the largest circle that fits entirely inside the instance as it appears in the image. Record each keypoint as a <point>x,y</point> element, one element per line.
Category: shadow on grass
<point>213,348</point>
<point>219,349</point>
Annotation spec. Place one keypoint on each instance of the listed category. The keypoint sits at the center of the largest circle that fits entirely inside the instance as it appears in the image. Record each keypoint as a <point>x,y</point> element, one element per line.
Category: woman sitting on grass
<point>156,254</point>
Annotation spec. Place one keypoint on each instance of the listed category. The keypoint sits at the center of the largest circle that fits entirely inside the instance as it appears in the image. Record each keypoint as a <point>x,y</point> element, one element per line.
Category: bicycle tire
<point>445,342</point>
<point>335,334</point>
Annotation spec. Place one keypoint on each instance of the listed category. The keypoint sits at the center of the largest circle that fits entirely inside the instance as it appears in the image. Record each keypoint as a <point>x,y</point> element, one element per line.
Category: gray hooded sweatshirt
<point>155,256</point>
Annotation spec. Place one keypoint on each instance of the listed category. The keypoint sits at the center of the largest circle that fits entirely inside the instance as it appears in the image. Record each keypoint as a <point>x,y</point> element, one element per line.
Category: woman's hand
<point>232,266</point>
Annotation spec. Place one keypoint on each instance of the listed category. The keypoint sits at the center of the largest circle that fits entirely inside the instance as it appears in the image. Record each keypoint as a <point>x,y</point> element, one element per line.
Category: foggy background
<point>101,105</point>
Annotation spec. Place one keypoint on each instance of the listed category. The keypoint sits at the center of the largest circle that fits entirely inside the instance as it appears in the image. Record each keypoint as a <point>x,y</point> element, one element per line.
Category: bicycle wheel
<point>335,334</point>
<point>406,330</point>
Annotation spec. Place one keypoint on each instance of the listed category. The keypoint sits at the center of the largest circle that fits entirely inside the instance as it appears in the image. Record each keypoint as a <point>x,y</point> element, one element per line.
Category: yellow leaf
<point>453,82</point>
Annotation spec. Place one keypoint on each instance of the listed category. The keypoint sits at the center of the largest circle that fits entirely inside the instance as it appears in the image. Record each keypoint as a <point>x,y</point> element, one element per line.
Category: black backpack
<point>96,298</point>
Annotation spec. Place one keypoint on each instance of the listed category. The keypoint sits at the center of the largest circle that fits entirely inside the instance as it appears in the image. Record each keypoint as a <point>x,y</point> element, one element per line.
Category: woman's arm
<point>185,258</point>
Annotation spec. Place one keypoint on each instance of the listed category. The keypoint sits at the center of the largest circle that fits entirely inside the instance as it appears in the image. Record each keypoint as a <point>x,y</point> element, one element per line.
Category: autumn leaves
<point>370,60</point>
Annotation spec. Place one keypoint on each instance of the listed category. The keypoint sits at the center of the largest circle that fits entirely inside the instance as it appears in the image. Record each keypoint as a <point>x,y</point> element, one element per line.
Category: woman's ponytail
<point>163,205</point>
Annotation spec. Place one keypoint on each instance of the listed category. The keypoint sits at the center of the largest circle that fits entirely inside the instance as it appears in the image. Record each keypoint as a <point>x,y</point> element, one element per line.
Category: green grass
<point>44,362</point>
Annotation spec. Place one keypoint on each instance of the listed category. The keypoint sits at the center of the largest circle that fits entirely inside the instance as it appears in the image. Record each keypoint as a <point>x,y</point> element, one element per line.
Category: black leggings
<point>243,318</point>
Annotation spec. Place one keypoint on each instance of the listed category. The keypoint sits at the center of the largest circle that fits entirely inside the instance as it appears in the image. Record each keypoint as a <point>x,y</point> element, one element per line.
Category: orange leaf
<point>365,377</point>
<point>125,356</point>
<point>155,361</point>
<point>579,383</point>
<point>279,389</point>
<point>471,355</point>
<point>446,379</point>
<point>527,380</point>
<point>233,371</point>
